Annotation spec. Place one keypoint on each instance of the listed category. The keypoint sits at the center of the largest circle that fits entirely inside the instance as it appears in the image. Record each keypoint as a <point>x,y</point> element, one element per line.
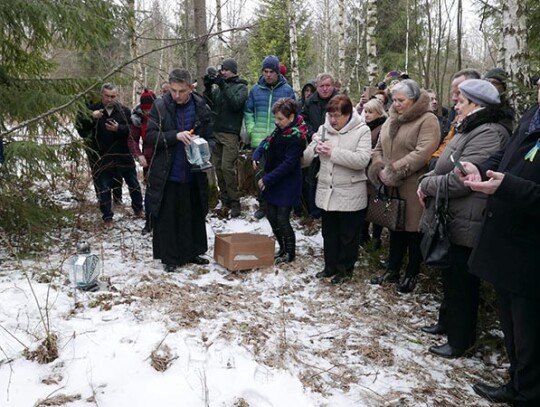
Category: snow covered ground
<point>203,336</point>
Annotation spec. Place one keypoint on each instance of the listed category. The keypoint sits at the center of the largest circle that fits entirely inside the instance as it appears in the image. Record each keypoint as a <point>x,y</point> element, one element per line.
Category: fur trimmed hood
<point>420,107</point>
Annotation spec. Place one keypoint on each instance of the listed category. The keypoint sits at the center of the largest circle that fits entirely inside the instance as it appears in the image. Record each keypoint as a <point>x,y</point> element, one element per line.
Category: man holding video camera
<point>227,102</point>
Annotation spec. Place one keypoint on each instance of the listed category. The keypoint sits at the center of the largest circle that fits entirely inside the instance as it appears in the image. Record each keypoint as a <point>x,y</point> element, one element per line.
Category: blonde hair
<point>375,106</point>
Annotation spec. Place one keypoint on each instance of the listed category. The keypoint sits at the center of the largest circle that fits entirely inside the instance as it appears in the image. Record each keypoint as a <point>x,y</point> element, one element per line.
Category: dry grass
<point>58,400</point>
<point>161,358</point>
<point>46,352</point>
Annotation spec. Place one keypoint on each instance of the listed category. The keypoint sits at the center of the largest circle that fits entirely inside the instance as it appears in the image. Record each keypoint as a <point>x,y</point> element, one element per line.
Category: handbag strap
<point>385,193</point>
<point>444,198</point>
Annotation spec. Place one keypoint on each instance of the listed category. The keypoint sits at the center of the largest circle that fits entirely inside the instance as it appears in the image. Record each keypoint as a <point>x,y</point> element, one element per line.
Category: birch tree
<point>342,44</point>
<point>372,66</point>
<point>514,53</point>
<point>138,81</point>
<point>293,41</point>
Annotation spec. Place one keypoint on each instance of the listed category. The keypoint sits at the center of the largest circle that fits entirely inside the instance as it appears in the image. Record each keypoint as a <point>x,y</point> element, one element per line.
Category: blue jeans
<point>106,180</point>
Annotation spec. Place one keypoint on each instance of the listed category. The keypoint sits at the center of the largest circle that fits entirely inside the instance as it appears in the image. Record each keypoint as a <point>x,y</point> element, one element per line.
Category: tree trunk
<point>138,83</point>
<point>219,28</point>
<point>371,44</point>
<point>514,50</point>
<point>201,32</point>
<point>295,73</point>
<point>459,32</point>
<point>342,44</point>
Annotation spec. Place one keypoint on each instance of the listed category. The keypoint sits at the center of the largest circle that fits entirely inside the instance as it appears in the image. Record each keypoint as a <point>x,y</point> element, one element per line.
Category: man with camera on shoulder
<point>227,101</point>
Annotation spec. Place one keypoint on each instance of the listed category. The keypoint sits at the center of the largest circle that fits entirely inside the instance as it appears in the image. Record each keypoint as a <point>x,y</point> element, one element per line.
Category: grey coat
<point>342,177</point>
<point>476,140</point>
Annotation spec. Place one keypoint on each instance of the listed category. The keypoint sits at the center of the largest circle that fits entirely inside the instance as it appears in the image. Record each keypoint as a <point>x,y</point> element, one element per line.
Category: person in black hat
<point>227,101</point>
<point>498,78</point>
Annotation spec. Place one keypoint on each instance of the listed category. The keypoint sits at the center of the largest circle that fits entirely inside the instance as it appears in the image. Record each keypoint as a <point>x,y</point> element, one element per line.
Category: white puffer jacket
<point>342,177</point>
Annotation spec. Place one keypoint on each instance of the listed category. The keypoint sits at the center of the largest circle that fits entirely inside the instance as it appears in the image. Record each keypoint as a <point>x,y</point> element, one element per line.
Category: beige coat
<point>405,146</point>
<point>341,184</point>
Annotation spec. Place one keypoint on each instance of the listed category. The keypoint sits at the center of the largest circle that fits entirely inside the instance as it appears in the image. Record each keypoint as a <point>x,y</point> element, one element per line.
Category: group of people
<point>492,199</point>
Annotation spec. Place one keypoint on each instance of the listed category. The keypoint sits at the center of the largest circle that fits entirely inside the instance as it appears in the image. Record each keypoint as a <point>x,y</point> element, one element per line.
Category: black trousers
<point>341,232</point>
<point>461,295</point>
<point>520,323</point>
<point>180,229</point>
<point>401,242</point>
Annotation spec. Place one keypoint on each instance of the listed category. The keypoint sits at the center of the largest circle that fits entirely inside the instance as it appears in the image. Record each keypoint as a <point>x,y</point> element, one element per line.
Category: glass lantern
<point>84,268</point>
<point>198,155</point>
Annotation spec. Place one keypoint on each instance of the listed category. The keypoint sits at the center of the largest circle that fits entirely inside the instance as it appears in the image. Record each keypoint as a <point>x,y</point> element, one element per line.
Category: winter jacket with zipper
<point>227,102</point>
<point>258,116</point>
<point>478,137</point>
<point>342,177</point>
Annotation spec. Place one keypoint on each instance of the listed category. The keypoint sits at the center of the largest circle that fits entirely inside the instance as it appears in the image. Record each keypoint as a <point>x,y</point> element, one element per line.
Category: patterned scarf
<point>297,128</point>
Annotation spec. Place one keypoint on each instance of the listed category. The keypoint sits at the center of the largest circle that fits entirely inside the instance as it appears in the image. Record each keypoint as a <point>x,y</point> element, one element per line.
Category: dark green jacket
<point>227,102</point>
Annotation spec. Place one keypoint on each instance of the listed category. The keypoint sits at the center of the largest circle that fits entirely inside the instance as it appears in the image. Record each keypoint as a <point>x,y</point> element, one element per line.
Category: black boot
<point>407,284</point>
<point>496,394</point>
<point>327,272</point>
<point>389,276</point>
<point>290,249</point>
<point>342,275</point>
<point>279,239</point>
<point>147,225</point>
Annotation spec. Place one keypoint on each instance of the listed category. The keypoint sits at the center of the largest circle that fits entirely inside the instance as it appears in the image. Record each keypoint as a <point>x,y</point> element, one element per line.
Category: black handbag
<point>435,244</point>
<point>387,209</point>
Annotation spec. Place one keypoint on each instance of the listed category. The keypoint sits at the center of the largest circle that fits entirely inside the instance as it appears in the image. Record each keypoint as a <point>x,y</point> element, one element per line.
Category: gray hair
<point>180,75</point>
<point>324,76</point>
<point>409,87</point>
<point>108,86</point>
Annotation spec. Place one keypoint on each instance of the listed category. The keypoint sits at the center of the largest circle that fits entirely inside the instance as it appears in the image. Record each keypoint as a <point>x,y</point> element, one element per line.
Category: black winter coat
<point>111,147</point>
<point>161,133</point>
<point>508,250</point>
<point>314,112</point>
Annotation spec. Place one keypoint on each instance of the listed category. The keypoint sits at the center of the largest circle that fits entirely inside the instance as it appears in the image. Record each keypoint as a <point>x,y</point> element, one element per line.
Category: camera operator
<point>226,94</point>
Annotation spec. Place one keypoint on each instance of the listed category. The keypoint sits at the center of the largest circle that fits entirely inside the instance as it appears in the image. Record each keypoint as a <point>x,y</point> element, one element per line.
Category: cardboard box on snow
<point>244,251</point>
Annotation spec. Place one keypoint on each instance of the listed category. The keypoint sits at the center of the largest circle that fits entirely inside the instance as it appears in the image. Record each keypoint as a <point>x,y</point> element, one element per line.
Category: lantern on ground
<point>84,268</point>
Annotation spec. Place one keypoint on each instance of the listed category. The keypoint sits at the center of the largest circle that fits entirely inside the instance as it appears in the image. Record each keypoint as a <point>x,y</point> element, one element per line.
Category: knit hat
<point>271,62</point>
<point>230,64</point>
<point>147,99</point>
<point>498,74</point>
<point>282,69</point>
<point>480,92</point>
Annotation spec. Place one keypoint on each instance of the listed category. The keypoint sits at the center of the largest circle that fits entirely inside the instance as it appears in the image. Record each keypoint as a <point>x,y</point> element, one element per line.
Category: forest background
<point>55,54</point>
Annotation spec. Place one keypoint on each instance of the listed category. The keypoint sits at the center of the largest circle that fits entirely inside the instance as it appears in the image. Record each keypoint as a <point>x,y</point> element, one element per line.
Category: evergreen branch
<point>111,73</point>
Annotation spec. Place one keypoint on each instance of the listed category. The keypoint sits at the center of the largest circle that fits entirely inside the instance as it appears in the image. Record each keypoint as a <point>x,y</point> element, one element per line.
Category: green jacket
<point>258,116</point>
<point>227,102</point>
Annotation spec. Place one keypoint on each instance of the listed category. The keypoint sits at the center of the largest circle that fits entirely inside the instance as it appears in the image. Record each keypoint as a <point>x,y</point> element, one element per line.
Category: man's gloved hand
<point>220,81</point>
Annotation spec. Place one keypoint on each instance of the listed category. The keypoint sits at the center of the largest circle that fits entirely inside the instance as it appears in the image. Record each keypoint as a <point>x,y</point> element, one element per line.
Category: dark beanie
<point>230,64</point>
<point>147,99</point>
<point>498,74</point>
<point>480,92</point>
<point>271,62</point>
